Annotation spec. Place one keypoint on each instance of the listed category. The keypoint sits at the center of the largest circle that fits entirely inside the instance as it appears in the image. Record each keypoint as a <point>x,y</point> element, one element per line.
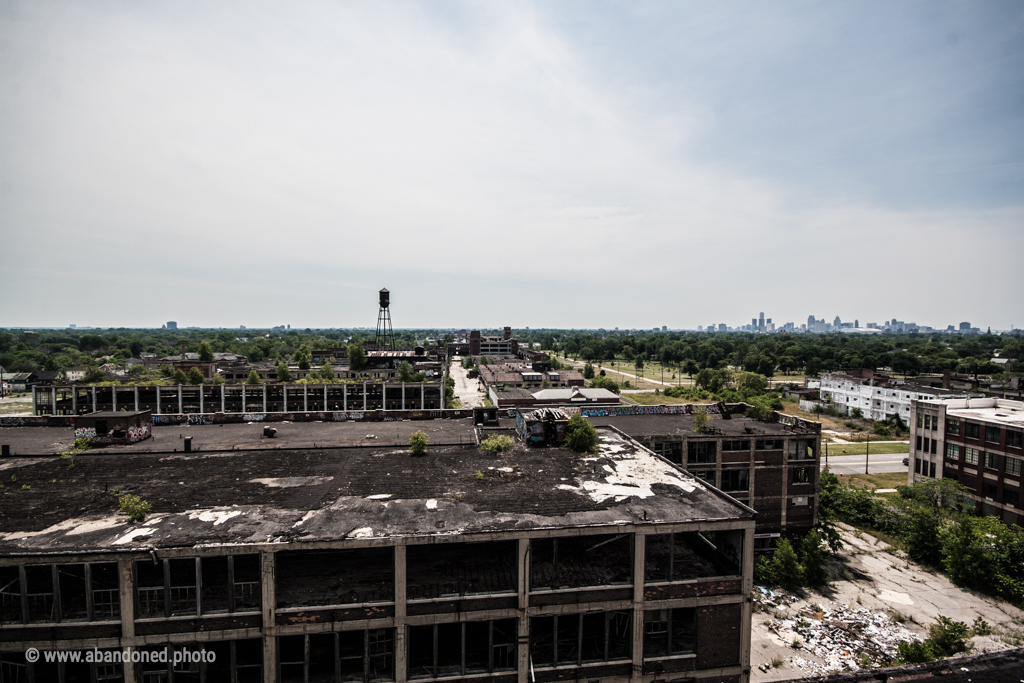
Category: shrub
<point>914,652</point>
<point>788,572</point>
<point>497,443</point>
<point>814,559</point>
<point>702,419</point>
<point>857,413</point>
<point>580,435</point>
<point>418,443</point>
<point>948,637</point>
<point>135,507</point>
<point>881,429</point>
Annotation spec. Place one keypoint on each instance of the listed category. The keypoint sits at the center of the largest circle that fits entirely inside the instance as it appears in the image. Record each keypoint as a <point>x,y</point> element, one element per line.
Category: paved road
<point>877,464</point>
<point>467,390</point>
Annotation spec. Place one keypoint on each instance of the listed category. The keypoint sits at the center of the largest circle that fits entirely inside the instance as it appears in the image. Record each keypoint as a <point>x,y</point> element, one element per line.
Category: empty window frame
<point>701,452</point>
<point>59,593</point>
<point>578,561</point>
<point>707,476</point>
<point>14,669</point>
<point>920,420</point>
<point>992,434</point>
<point>952,451</point>
<point>801,449</point>
<point>737,445</point>
<point>802,475</point>
<point>972,431</point>
<point>992,460</point>
<point>952,426</point>
<point>1011,496</point>
<point>313,578</point>
<point>576,639</point>
<point>971,455</point>
<point>670,632</point>
<point>1013,439</point>
<point>194,585</point>
<point>769,444</point>
<point>918,442</point>
<point>689,555</point>
<point>343,656</point>
<point>931,470</point>
<point>460,649</point>
<point>735,480</point>
<point>927,421</point>
<point>238,661</point>
<point>448,570</point>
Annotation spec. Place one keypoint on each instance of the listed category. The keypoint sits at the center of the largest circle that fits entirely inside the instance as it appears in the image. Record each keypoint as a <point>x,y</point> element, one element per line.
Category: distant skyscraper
<point>837,322</point>
<point>171,325</point>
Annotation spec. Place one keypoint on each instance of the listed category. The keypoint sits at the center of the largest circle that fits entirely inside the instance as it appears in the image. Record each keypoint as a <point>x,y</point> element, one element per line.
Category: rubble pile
<point>844,639</point>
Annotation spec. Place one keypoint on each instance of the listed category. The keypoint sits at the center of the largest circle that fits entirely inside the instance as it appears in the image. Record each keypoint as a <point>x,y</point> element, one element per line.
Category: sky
<point>552,164</point>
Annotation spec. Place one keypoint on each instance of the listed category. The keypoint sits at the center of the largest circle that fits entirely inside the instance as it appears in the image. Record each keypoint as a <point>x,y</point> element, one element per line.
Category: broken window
<point>39,591</point>
<point>736,480</point>
<point>10,595</point>
<point>1013,439</point>
<point>701,451</point>
<point>576,561</point>
<point>973,431</point>
<point>802,475</point>
<point>335,577</point>
<point>801,449</point>
<point>707,476</point>
<point>458,649</point>
<point>452,569</point>
<point>769,445</point>
<point>952,426</point>
<point>575,639</point>
<point>670,632</point>
<point>187,586</point>
<point>992,434</point>
<point>684,556</point>
<point>743,445</point>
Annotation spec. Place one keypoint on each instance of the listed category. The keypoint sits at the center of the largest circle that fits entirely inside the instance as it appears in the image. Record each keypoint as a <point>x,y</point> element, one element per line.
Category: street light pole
<point>867,449</point>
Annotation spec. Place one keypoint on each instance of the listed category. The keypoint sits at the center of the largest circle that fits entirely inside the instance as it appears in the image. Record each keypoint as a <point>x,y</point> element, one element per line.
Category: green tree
<point>580,435</point>
<point>923,543</point>
<point>327,372</point>
<point>418,443</point>
<point>195,377</point>
<point>94,375</point>
<point>588,371</point>
<point>134,507</point>
<point>283,375</point>
<point>205,354</point>
<point>702,419</point>
<point>814,558</point>
<point>301,356</point>
<point>180,377</point>
<point>356,357</point>
<point>787,568</point>
<point>760,408</point>
<point>253,378</point>
<point>218,378</point>
<point>751,383</point>
<point>405,371</point>
<point>497,443</point>
<point>605,383</point>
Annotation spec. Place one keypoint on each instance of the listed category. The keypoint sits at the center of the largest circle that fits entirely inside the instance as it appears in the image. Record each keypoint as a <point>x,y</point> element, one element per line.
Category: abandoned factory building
<point>364,564</point>
<point>772,466</point>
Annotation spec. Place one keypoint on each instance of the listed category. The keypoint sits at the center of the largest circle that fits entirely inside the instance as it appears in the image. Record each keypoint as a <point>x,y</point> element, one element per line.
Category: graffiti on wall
<point>85,433</point>
<point>200,419</point>
<point>612,411</point>
<point>254,417</point>
<point>167,419</point>
<point>139,433</point>
<point>11,422</point>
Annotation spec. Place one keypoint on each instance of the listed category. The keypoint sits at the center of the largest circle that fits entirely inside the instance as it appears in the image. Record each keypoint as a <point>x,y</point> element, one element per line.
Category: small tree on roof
<point>580,435</point>
<point>418,443</point>
<point>702,419</point>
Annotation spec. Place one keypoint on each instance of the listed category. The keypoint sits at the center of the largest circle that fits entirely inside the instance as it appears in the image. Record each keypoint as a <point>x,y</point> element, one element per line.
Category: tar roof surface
<point>680,425</point>
<point>333,494</point>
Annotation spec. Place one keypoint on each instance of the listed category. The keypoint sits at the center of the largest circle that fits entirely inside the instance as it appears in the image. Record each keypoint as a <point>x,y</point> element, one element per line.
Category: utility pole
<point>867,449</point>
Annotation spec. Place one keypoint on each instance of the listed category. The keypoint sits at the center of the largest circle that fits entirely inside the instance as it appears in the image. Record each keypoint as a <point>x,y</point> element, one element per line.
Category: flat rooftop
<point>642,426</point>
<point>992,410</point>
<point>247,436</point>
<point>256,497</point>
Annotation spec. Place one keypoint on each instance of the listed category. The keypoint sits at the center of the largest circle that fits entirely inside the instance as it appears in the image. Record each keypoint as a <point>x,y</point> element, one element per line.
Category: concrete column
<point>243,397</point>
<point>364,394</point>
<point>113,398</point>
<point>344,397</point>
<point>785,484</point>
<point>423,397</point>
<point>223,391</point>
<point>94,398</point>
<point>305,398</point>
<point>401,642</point>
<point>136,398</point>
<point>403,395</point>
<point>202,395</point>
<point>127,591</point>
<point>269,602</point>
<point>181,403</point>
<point>523,590</point>
<point>639,549</point>
<point>53,406</point>
<point>34,404</point>
<point>284,396</point>
<point>325,397</point>
<point>74,400</point>
<point>157,399</point>
<point>264,398</point>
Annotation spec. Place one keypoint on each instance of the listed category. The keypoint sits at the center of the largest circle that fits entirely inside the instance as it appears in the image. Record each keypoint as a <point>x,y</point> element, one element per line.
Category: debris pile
<point>844,639</point>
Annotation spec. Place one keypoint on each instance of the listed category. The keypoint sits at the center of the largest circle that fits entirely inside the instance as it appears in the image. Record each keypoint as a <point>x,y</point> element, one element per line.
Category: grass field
<point>888,480</point>
<point>16,407</point>
<point>652,399</point>
<point>860,448</point>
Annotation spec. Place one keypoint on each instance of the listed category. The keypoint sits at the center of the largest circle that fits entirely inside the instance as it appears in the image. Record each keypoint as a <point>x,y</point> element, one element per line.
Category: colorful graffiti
<point>85,433</point>
<point>254,417</point>
<point>167,419</point>
<point>139,433</point>
<point>686,409</point>
<point>200,419</point>
<point>11,422</point>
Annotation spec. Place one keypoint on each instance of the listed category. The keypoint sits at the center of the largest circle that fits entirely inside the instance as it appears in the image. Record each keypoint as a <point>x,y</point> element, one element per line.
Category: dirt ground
<point>881,581</point>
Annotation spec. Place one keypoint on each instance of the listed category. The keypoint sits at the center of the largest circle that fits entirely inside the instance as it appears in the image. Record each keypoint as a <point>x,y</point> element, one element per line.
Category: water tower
<point>385,338</point>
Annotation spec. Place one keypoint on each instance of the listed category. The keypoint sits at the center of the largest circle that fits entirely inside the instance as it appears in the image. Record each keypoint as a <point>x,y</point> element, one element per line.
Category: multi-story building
<point>504,345</point>
<point>372,565</point>
<point>975,441</point>
<point>876,395</point>
<point>772,466</point>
